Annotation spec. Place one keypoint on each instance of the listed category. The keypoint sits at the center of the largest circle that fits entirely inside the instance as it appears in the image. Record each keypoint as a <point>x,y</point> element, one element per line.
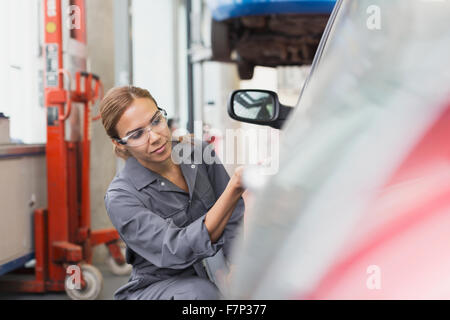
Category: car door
<point>364,110</point>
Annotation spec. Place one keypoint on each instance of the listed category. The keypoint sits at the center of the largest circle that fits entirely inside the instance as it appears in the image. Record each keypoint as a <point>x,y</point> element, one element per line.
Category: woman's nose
<point>152,136</point>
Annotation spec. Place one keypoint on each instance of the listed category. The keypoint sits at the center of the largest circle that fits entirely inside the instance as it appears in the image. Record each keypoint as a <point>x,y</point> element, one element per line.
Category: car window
<point>374,94</point>
<point>324,43</point>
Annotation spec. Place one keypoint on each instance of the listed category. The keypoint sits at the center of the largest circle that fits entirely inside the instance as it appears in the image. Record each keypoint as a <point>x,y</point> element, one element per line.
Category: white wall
<point>155,54</point>
<point>182,101</point>
<point>20,64</point>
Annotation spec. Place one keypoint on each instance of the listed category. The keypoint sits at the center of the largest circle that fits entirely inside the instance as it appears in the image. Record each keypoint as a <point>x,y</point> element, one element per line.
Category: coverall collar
<point>142,177</point>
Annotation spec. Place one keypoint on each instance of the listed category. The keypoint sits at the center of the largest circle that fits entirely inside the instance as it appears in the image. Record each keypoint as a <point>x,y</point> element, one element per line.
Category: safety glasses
<point>141,136</point>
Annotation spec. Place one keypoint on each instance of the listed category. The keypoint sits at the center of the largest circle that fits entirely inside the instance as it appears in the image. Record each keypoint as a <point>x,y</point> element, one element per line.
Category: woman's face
<point>139,115</point>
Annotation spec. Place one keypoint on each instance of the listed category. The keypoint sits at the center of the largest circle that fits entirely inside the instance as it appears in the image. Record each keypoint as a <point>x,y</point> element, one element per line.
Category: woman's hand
<point>236,181</point>
<point>217,217</point>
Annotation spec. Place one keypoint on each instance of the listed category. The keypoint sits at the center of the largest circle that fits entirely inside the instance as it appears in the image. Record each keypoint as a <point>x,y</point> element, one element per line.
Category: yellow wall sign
<point>50,27</point>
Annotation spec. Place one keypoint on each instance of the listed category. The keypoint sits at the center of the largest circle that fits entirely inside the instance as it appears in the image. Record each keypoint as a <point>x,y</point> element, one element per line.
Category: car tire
<point>245,69</point>
<point>220,41</point>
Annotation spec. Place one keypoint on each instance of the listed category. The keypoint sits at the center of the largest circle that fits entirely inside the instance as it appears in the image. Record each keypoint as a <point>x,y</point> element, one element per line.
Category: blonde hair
<point>112,107</point>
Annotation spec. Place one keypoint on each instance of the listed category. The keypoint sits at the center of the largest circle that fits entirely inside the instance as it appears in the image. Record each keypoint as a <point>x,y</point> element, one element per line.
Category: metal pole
<point>122,43</point>
<point>123,50</point>
<point>190,74</point>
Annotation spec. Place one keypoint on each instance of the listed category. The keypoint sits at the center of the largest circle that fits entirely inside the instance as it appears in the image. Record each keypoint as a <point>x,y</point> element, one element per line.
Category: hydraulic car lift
<point>62,234</point>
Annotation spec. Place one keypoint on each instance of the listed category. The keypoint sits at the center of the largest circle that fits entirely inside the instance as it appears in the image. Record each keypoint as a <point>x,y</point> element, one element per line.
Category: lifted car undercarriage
<point>271,41</point>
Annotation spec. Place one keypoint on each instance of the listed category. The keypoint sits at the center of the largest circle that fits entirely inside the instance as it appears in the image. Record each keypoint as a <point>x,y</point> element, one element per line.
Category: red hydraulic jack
<point>62,235</point>
<point>63,239</point>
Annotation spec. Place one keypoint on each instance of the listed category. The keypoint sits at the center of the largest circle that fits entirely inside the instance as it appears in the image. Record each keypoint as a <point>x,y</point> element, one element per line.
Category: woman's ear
<point>117,144</point>
<point>120,150</point>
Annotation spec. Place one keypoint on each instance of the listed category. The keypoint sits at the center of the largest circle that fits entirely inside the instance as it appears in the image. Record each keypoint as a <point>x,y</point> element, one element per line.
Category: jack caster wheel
<point>117,269</point>
<point>94,284</point>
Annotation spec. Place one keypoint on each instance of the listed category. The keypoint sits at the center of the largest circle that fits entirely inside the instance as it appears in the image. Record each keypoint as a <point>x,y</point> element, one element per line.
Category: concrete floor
<point>111,283</point>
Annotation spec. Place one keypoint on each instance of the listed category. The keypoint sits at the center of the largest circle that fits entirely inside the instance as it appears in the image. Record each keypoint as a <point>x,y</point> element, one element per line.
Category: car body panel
<point>226,9</point>
<point>397,252</point>
<point>364,165</point>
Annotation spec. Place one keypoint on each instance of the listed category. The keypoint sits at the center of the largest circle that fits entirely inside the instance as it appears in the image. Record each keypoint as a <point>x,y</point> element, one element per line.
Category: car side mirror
<point>258,107</point>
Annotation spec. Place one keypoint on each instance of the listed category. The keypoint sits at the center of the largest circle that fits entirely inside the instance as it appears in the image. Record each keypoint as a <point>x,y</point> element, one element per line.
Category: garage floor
<point>111,283</point>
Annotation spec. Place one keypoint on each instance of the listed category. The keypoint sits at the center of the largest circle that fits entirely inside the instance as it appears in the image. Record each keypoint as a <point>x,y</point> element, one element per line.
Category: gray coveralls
<point>163,228</point>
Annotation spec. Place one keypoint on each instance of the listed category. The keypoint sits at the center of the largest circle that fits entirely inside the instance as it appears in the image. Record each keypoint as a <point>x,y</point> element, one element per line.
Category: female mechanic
<point>170,215</point>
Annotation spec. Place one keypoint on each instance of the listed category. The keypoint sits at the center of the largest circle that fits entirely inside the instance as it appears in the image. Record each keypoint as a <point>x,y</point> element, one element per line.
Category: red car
<point>360,206</point>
